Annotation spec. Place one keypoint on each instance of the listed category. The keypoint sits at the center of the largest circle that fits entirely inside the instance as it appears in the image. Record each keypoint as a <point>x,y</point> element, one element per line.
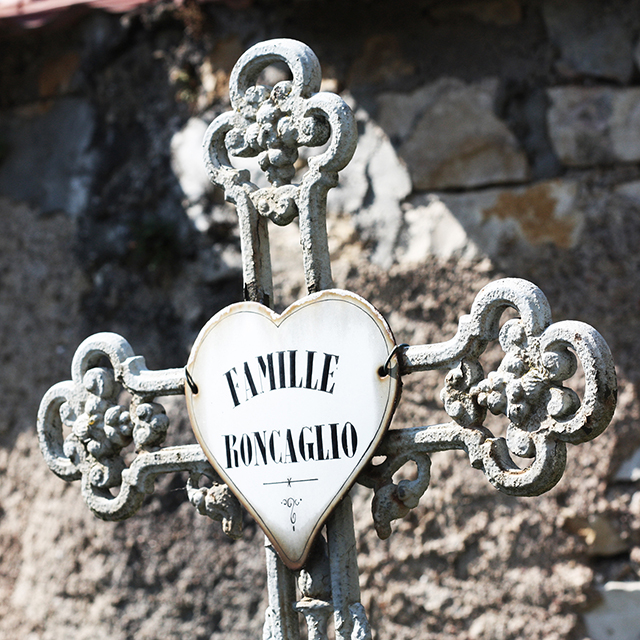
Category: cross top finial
<point>272,123</point>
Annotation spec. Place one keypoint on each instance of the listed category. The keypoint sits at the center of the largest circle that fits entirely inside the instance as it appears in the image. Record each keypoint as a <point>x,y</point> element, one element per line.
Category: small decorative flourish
<point>292,503</point>
<point>218,503</point>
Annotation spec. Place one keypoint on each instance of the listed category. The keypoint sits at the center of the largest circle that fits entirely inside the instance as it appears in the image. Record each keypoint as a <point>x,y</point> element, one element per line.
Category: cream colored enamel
<point>351,340</point>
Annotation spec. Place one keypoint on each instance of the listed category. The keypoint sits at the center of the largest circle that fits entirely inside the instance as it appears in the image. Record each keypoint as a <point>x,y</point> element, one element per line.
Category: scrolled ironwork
<point>542,414</point>
<point>98,430</point>
<point>116,450</point>
<point>272,124</point>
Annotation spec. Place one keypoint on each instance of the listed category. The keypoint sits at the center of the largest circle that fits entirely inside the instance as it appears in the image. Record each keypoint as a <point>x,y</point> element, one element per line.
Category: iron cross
<point>83,430</point>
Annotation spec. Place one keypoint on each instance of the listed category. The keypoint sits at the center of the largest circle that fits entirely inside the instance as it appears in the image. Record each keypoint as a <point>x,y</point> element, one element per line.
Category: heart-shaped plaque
<point>289,408</point>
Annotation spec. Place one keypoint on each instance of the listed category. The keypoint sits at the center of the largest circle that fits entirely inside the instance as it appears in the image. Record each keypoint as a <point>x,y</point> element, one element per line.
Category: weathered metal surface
<point>98,429</point>
<point>543,415</point>
<point>273,124</point>
<point>349,617</point>
<point>290,407</point>
<point>527,388</point>
<point>280,620</point>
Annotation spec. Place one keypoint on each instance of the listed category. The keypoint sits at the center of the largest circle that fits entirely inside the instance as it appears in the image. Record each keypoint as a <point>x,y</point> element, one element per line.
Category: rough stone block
<point>371,188</point>
<point>432,229</point>
<point>450,137</point>
<point>617,617</point>
<point>594,125</point>
<point>481,223</point>
<point>592,38</point>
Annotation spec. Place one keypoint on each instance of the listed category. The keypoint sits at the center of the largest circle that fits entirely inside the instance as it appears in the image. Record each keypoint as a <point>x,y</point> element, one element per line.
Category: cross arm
<point>86,434</point>
<point>527,389</point>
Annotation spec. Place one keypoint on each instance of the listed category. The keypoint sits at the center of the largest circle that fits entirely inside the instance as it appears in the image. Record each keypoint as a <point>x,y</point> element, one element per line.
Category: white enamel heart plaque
<point>289,408</point>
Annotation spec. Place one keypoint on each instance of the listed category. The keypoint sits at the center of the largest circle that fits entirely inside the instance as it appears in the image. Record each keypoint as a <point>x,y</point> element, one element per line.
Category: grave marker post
<point>83,430</point>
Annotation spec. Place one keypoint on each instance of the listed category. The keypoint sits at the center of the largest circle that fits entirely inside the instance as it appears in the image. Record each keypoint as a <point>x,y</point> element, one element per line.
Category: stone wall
<point>497,138</point>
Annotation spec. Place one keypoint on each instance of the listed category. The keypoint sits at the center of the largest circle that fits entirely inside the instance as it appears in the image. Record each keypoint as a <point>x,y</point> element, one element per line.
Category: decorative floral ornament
<point>272,124</point>
<point>527,388</point>
<point>100,430</point>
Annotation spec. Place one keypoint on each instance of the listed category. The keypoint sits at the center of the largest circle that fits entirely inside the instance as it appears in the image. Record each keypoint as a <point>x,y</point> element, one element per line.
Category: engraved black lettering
<point>272,447</point>
<point>349,440</point>
<point>233,385</point>
<point>334,440</point>
<point>248,380</point>
<point>290,451</point>
<point>327,372</point>
<point>292,368</point>
<point>314,376</point>
<point>310,355</point>
<point>303,444</point>
<point>295,445</point>
<point>321,453</point>
<point>268,365</point>
<point>229,447</point>
<point>260,442</point>
<point>246,450</point>
<point>283,379</point>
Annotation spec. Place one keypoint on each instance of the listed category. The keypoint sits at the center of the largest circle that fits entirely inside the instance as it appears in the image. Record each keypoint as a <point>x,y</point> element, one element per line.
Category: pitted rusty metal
<point>542,414</point>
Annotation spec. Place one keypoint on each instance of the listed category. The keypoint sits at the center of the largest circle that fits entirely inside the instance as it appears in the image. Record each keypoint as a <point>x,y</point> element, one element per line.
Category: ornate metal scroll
<point>272,124</point>
<point>85,433</point>
<point>116,451</point>
<point>543,415</point>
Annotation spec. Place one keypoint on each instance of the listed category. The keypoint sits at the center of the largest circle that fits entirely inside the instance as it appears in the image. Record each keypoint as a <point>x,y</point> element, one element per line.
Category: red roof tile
<point>33,13</point>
